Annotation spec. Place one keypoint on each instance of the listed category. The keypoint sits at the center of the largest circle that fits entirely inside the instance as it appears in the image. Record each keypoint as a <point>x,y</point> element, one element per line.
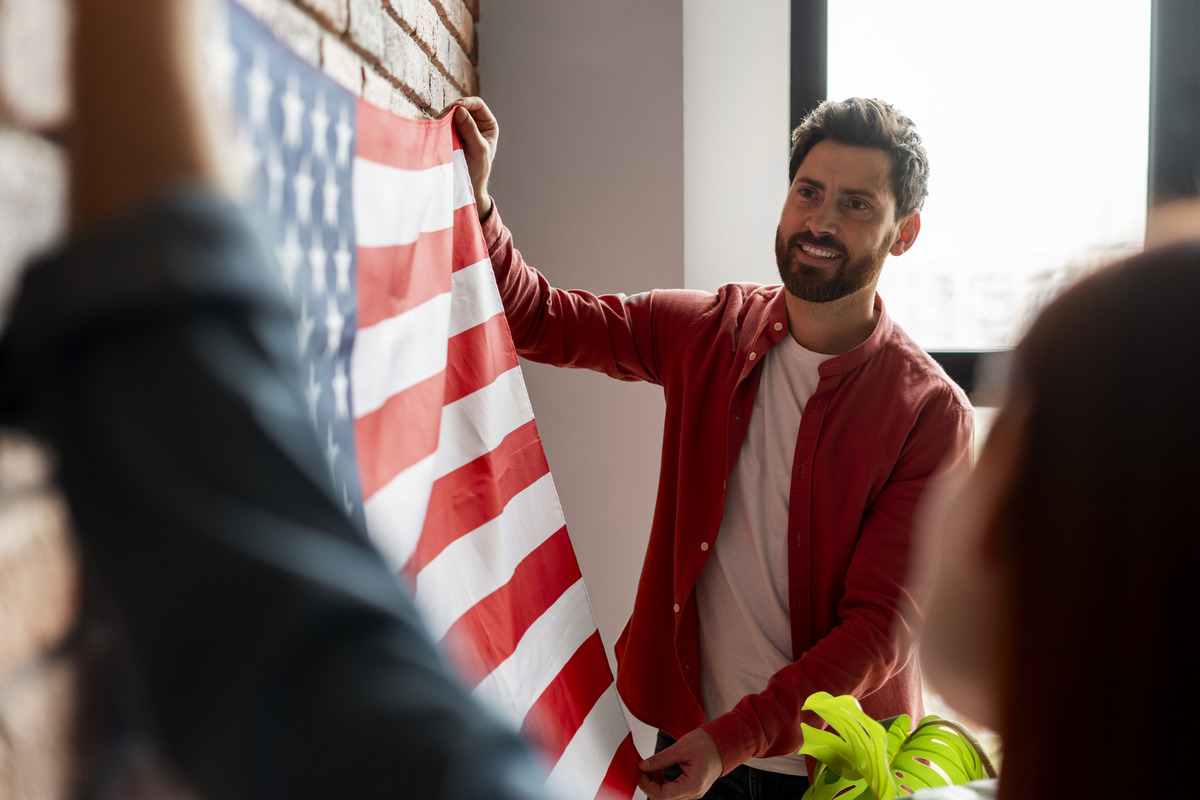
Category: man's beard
<point>817,285</point>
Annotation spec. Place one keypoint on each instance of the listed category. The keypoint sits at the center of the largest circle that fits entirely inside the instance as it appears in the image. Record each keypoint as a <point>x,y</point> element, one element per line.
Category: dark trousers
<point>743,782</point>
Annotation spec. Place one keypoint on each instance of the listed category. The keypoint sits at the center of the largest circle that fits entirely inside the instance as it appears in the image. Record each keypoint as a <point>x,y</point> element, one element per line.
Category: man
<point>274,653</point>
<point>801,426</point>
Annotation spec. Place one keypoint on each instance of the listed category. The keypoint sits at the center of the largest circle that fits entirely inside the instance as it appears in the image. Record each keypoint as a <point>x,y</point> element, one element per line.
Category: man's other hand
<point>479,132</point>
<point>698,758</point>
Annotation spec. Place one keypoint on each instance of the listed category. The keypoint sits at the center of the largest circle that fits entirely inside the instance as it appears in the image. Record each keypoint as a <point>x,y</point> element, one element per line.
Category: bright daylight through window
<point>1035,118</point>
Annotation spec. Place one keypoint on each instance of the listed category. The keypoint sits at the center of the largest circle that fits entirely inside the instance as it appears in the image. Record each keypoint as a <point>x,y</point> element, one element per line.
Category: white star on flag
<point>293,114</point>
<point>320,127</point>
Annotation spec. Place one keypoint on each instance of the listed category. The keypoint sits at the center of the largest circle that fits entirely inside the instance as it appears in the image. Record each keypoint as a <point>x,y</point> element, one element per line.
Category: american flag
<point>414,388</point>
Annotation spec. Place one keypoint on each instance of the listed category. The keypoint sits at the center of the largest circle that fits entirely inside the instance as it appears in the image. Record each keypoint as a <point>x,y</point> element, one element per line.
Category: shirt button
<point>753,356</point>
<point>704,545</point>
<point>677,608</point>
<point>778,326</point>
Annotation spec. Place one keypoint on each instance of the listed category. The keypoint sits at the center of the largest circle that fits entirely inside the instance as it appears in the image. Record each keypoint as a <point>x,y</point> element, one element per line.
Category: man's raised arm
<point>480,132</point>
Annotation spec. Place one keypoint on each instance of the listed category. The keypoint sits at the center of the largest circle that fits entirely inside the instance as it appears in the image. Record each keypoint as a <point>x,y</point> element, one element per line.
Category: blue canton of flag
<point>296,131</point>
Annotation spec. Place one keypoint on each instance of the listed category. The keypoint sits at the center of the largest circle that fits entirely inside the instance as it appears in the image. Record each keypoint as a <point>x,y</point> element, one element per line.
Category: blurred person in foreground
<point>1064,606</point>
<point>271,651</point>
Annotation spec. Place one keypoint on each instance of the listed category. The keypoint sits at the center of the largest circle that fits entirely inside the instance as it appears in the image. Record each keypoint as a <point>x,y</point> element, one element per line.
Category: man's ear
<point>910,226</point>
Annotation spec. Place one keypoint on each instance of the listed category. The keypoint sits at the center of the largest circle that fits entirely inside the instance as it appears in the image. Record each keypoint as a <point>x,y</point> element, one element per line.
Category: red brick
<point>292,24</point>
<point>334,14</point>
<point>441,91</point>
<point>454,63</point>
<point>367,23</point>
<point>405,12</point>
<point>452,94</point>
<point>405,61</point>
<point>404,107</point>
<point>426,24</point>
<point>458,21</point>
<point>377,90</point>
<point>34,40</point>
<point>342,64</point>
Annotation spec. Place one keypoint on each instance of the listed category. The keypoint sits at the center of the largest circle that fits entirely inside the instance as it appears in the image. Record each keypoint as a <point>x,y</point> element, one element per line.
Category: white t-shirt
<point>742,593</point>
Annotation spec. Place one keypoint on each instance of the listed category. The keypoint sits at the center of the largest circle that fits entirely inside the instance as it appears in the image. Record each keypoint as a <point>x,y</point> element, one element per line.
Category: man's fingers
<point>479,147</point>
<point>649,786</point>
<point>657,761</point>
<point>482,116</point>
<point>467,129</point>
<point>699,762</point>
<point>682,788</point>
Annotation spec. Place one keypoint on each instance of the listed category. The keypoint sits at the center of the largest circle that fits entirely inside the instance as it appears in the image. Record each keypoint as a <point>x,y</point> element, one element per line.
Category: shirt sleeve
<point>628,337</point>
<point>878,616</point>
<point>274,652</point>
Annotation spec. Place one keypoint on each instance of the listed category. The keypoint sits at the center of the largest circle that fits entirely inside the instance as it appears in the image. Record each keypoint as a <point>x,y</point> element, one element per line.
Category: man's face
<point>839,223</point>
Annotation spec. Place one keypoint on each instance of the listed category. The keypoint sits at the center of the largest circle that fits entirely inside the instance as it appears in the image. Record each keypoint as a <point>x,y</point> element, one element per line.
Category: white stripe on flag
<point>513,687</point>
<point>479,563</point>
<point>476,298</point>
<point>396,513</point>
<point>474,425</point>
<point>394,206</point>
<point>585,762</point>
<point>464,192</point>
<point>397,353</point>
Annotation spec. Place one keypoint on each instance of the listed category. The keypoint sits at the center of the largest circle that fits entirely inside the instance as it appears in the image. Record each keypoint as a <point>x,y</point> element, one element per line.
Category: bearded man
<point>802,425</point>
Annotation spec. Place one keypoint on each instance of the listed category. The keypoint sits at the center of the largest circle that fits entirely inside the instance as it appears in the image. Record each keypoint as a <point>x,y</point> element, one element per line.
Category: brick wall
<point>410,56</point>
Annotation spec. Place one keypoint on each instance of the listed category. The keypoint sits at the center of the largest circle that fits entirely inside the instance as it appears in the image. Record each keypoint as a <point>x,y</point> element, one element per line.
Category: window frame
<point>1174,124</point>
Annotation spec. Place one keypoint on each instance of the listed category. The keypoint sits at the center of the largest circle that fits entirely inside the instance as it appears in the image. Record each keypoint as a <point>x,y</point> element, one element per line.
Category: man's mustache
<point>825,242</point>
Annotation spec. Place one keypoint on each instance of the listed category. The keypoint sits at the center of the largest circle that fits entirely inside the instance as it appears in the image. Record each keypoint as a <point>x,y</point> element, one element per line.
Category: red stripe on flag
<point>477,492</point>
<point>622,776</point>
<point>468,250</point>
<point>477,356</point>
<point>412,144</point>
<point>391,438</point>
<point>393,280</point>
<point>399,433</point>
<point>398,278</point>
<point>561,709</point>
<point>485,636</point>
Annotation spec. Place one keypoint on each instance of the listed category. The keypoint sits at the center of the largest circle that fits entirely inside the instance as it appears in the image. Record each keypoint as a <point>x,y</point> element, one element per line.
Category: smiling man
<point>801,427</point>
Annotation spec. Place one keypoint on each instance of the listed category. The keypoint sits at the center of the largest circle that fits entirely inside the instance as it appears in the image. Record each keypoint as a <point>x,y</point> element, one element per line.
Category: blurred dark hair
<point>1100,528</point>
<point>869,123</point>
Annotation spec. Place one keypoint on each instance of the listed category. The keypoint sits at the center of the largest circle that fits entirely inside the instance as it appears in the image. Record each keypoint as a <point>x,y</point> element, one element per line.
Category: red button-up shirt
<point>883,420</point>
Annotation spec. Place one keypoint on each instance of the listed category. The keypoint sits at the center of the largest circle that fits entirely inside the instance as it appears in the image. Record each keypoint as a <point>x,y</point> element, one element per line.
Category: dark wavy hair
<point>1098,532</point>
<point>869,123</point>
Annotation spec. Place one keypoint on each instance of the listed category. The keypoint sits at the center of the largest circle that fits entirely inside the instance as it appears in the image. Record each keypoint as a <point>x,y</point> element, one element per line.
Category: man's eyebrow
<point>867,193</point>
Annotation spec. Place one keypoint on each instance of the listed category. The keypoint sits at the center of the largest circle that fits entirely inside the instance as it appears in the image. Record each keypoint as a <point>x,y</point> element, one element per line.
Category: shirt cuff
<point>733,738</point>
<point>493,227</point>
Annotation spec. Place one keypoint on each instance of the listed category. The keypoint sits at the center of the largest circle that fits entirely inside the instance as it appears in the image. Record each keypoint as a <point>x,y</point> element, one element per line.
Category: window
<point>1035,116</point>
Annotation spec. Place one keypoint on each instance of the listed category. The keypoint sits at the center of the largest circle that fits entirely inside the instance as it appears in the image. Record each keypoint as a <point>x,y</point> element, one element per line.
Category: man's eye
<point>858,205</point>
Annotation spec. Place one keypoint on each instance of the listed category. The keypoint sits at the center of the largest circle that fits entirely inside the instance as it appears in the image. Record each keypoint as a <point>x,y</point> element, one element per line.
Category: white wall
<point>593,102</point>
<point>589,177</point>
<point>735,111</point>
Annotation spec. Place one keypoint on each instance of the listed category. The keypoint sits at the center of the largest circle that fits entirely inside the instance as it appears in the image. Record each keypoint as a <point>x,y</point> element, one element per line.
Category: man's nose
<point>823,221</point>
